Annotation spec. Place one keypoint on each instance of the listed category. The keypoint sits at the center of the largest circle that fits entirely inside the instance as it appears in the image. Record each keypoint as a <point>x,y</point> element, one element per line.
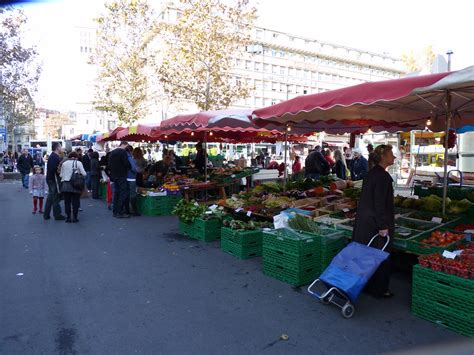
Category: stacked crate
<point>243,244</point>
<point>103,190</point>
<point>206,230</point>
<point>156,205</point>
<point>299,258</point>
<point>444,299</point>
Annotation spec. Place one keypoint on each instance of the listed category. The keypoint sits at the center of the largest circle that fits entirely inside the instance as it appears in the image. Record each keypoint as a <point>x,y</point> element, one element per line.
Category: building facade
<point>280,66</point>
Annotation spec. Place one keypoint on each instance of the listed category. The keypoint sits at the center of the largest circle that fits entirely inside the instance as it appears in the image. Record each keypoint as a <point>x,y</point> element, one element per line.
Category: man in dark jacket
<point>25,166</point>
<point>52,179</point>
<point>118,166</point>
<point>86,163</point>
<point>316,165</point>
<point>200,160</point>
<point>360,166</point>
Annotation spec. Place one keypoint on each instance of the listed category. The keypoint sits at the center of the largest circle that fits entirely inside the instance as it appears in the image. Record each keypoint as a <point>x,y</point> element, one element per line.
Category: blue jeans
<point>88,181</point>
<point>25,179</point>
<point>121,195</point>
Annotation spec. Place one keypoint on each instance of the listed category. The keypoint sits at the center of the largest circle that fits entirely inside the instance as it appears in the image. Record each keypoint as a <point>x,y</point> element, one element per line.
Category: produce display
<point>441,239</point>
<point>462,265</point>
<point>189,211</point>
<point>464,227</point>
<point>433,203</point>
<point>236,224</point>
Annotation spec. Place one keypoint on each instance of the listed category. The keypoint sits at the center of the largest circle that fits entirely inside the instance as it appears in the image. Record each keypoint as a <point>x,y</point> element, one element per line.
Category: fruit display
<point>461,266</point>
<point>441,239</point>
<point>464,227</point>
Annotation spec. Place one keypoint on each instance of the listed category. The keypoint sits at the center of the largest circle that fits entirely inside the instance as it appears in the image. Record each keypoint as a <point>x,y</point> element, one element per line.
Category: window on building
<point>274,53</point>
<point>283,87</point>
<point>274,69</point>
<point>282,54</point>
<point>259,34</point>
<point>267,102</point>
<point>291,39</point>
<point>274,101</point>
<point>298,89</point>
<point>258,101</point>
<point>275,35</point>
<point>305,74</point>
<point>282,70</point>
<point>291,71</point>
<point>248,64</point>
<point>266,68</point>
<point>238,63</point>
<point>274,86</point>
<point>266,85</point>
<point>258,84</point>
<point>258,66</point>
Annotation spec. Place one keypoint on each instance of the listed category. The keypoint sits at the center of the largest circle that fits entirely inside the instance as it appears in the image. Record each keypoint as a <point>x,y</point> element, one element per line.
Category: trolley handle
<point>375,236</point>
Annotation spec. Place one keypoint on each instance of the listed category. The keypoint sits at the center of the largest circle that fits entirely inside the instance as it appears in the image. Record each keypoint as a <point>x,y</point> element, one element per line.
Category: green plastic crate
<point>206,236</point>
<point>241,251</point>
<point>444,279</point>
<point>186,229</point>
<point>242,237</point>
<point>457,300</point>
<point>207,224</point>
<point>297,243</point>
<point>292,277</point>
<point>290,261</point>
<point>442,315</point>
<point>415,246</point>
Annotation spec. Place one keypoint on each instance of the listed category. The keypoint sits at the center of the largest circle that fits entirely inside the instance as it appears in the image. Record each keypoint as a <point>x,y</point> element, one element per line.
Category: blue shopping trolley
<point>350,270</point>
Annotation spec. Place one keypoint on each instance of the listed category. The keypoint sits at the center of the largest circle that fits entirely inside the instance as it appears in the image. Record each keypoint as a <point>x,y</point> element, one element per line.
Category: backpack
<point>77,181</point>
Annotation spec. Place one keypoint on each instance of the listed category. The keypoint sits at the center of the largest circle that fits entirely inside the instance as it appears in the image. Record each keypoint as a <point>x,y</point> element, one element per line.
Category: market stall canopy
<point>399,104</point>
<point>224,126</point>
<point>139,133</point>
<point>110,136</point>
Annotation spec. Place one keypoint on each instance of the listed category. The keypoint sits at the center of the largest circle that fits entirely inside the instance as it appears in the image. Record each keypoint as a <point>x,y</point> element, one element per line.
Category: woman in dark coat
<point>375,215</point>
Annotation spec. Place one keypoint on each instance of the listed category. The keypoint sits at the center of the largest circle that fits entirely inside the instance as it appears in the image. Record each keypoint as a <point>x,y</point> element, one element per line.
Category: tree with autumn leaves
<point>122,56</point>
<point>200,49</point>
<point>192,57</point>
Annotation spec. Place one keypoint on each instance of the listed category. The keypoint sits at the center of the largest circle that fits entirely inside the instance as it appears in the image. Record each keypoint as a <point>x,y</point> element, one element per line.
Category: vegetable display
<point>442,239</point>
<point>236,224</point>
<point>189,211</point>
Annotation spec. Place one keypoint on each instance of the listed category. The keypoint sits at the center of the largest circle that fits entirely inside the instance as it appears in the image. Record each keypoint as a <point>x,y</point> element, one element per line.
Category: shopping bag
<point>352,268</point>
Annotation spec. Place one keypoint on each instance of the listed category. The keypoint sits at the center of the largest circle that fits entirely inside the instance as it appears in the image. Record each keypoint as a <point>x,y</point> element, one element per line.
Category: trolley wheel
<point>348,310</point>
<point>327,299</point>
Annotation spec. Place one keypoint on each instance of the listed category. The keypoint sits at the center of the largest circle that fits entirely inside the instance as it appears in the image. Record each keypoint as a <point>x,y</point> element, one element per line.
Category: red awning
<point>404,103</point>
<point>139,133</point>
<point>110,136</point>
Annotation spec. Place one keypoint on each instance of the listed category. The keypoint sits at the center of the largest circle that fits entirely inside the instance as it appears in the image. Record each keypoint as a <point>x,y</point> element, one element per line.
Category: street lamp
<point>449,52</point>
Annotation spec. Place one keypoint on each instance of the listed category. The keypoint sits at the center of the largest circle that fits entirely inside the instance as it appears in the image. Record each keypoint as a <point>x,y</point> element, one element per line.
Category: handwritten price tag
<point>238,210</point>
<point>249,213</point>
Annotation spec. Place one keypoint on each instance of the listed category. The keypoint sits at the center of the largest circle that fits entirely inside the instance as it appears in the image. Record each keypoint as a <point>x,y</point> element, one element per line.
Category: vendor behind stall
<point>157,172</point>
<point>200,160</point>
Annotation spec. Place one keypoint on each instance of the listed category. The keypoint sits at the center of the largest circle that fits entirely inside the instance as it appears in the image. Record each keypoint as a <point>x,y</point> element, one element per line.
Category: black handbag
<point>78,181</point>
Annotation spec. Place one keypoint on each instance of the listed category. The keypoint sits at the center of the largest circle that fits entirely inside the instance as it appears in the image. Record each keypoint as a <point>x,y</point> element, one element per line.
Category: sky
<point>392,27</point>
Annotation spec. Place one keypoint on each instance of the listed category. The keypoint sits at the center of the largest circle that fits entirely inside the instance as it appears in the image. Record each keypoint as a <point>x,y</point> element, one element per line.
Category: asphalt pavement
<point>126,286</point>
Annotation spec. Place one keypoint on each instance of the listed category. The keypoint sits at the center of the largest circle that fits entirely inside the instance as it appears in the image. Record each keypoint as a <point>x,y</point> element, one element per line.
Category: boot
<point>41,205</point>
<point>35,204</point>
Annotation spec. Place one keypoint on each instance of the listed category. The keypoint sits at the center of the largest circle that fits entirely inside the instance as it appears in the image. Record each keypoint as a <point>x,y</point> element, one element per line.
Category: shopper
<point>86,163</point>
<point>71,193</point>
<point>375,215</point>
<point>25,166</point>
<point>329,159</point>
<point>38,160</point>
<point>296,167</point>
<point>141,165</point>
<point>348,157</point>
<point>118,167</point>
<point>52,179</point>
<point>340,167</point>
<point>316,165</point>
<point>360,166</point>
<point>38,188</point>
<point>95,174</point>
<point>131,201</point>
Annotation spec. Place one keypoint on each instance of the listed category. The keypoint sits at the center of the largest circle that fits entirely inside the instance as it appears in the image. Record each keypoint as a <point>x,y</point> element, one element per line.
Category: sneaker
<point>68,220</point>
<point>46,217</point>
<point>75,220</point>
<point>34,212</point>
<point>122,215</point>
<point>40,211</point>
<point>59,218</point>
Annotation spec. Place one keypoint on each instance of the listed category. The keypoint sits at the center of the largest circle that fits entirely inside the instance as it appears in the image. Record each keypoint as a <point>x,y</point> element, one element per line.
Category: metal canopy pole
<point>205,156</point>
<point>285,160</point>
<point>445,174</point>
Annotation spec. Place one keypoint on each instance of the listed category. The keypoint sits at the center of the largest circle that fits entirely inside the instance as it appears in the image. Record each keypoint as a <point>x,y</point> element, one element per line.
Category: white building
<point>280,66</point>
